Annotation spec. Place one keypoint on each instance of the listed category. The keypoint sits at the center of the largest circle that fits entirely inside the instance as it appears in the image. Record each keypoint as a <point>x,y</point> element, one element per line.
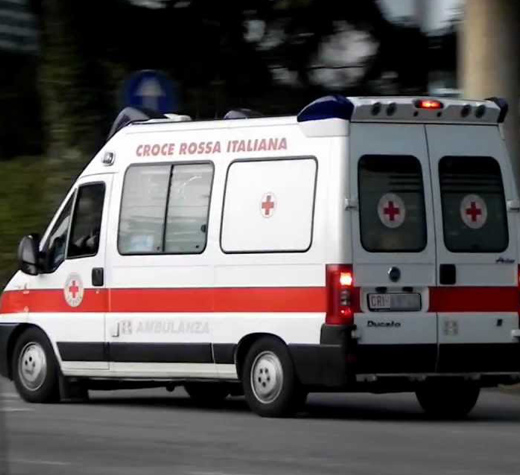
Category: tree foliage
<point>72,91</point>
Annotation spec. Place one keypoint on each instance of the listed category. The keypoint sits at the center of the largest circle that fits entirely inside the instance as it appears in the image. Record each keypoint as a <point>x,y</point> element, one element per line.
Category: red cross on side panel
<point>268,205</point>
<point>74,289</point>
<point>391,211</point>
<point>474,211</point>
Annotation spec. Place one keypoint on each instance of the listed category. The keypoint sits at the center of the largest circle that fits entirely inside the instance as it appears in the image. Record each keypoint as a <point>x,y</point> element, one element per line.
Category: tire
<point>448,401</point>
<point>35,369</point>
<point>207,394</point>
<point>269,380</point>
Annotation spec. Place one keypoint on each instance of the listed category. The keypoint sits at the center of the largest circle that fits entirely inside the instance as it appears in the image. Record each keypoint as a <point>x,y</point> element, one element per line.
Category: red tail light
<point>341,294</point>
<point>518,285</point>
<point>428,104</point>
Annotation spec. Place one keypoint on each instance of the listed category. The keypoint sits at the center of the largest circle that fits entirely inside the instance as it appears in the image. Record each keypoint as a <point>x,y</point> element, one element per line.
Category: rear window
<point>391,202</point>
<point>473,204</point>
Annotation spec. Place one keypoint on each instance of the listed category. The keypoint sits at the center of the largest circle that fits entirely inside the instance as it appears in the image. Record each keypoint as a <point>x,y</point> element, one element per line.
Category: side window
<point>57,241</point>
<point>188,209</point>
<point>391,201</point>
<point>143,209</point>
<point>473,205</point>
<point>86,223</point>
<point>165,209</point>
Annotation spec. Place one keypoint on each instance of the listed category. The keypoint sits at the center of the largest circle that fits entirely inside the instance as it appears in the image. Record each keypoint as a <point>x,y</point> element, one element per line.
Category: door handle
<point>448,274</point>
<point>98,277</point>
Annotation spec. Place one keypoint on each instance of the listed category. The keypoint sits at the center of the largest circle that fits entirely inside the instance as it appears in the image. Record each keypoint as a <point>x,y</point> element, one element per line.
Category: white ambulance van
<point>366,244</point>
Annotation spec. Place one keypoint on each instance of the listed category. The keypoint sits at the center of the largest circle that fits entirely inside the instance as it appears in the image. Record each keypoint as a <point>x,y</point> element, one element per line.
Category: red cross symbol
<point>474,212</point>
<point>74,289</point>
<point>268,205</point>
<point>391,211</point>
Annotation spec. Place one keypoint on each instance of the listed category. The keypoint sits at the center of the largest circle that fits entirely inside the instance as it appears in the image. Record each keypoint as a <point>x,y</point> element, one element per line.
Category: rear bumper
<point>339,361</point>
<point>326,365</point>
<point>479,357</point>
<point>6,330</point>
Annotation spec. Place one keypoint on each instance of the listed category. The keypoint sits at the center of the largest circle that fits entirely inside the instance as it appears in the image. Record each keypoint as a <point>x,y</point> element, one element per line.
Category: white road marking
<point>9,396</point>
<point>15,409</point>
<point>213,473</point>
<point>38,462</point>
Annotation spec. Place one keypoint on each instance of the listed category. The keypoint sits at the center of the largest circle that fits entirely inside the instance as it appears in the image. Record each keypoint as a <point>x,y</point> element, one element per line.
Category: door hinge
<point>513,205</point>
<point>351,203</point>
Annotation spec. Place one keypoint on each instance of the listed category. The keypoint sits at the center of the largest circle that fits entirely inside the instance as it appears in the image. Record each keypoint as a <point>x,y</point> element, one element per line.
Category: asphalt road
<point>155,432</point>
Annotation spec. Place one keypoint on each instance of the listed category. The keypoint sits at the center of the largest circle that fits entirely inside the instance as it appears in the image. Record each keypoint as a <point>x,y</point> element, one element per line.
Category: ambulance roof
<point>326,117</point>
<point>405,109</point>
<point>353,109</point>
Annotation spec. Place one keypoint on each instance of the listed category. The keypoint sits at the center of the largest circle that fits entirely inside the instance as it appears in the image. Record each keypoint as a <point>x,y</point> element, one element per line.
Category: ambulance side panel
<point>183,315</point>
<point>281,280</point>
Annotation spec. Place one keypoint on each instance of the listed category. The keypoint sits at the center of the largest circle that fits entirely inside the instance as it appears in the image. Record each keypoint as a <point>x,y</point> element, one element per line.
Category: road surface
<point>155,432</point>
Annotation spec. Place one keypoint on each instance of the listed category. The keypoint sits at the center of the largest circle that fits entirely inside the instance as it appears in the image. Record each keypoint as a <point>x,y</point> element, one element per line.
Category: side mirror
<point>28,254</point>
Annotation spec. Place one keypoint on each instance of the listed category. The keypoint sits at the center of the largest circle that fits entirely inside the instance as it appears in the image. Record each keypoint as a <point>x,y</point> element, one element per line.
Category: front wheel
<point>35,370</point>
<point>453,401</point>
<point>269,380</point>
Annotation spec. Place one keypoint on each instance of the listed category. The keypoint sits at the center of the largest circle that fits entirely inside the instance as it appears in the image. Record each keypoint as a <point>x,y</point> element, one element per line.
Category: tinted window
<point>86,224</point>
<point>57,242</point>
<point>391,201</point>
<point>165,209</point>
<point>143,209</point>
<point>188,206</point>
<point>473,204</point>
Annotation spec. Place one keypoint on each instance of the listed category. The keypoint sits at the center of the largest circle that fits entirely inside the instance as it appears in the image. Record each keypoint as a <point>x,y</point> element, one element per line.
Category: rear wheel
<point>270,385</point>
<point>35,370</point>
<point>454,401</point>
<point>207,394</point>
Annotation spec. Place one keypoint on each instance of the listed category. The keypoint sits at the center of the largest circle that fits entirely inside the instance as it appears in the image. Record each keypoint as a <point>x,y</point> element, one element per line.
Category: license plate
<point>394,302</point>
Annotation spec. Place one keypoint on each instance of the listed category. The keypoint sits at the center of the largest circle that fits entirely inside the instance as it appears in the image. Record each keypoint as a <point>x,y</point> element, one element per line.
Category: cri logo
<point>73,290</point>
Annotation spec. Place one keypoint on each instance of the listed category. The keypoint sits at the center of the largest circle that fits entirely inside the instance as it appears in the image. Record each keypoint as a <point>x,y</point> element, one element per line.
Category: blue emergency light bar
<point>405,109</point>
<point>328,107</point>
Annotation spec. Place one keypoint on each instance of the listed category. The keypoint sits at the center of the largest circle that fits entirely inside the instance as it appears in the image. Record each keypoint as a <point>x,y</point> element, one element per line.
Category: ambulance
<point>365,244</point>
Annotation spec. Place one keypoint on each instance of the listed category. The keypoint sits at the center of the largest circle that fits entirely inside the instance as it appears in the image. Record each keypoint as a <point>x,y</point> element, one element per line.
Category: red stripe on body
<point>285,300</point>
<point>234,300</point>
<point>303,299</point>
<point>52,301</point>
<point>474,299</point>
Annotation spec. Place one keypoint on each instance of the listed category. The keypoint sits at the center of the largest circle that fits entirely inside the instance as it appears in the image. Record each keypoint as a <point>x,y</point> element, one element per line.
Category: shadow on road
<point>238,405</point>
<point>347,407</point>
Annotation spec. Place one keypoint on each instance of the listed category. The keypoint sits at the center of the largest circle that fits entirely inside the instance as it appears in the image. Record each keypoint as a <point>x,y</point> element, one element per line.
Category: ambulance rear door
<point>394,248</point>
<point>476,294</point>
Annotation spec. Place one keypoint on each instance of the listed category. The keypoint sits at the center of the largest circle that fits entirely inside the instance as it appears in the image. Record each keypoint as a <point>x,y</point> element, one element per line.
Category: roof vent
<point>132,114</point>
<point>242,114</point>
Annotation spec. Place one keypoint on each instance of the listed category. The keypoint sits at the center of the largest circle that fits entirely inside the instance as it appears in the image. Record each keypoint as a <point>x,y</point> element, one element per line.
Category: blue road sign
<point>152,90</point>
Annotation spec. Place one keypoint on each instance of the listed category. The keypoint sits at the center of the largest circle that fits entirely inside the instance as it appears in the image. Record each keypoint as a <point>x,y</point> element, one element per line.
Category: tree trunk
<point>74,82</point>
